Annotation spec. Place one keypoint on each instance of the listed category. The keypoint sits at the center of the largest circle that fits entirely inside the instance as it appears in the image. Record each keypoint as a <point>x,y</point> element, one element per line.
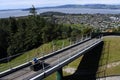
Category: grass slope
<point>37,52</point>
<point>110,59</point>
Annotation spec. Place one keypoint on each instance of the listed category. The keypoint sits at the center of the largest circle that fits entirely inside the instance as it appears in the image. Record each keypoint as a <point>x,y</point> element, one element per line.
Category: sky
<point>16,4</point>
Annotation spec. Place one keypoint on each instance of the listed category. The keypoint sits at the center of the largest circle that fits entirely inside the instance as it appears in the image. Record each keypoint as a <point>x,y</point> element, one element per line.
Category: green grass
<point>51,77</point>
<point>73,64</point>
<point>37,52</point>
<point>114,49</point>
<point>113,71</point>
<point>110,54</point>
<point>77,26</point>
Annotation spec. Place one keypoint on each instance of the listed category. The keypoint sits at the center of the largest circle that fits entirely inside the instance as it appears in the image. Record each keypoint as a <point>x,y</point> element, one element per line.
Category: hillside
<point>92,6</point>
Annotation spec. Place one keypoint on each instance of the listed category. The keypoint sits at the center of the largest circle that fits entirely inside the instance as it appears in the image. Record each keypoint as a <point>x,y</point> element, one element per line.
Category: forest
<point>21,34</point>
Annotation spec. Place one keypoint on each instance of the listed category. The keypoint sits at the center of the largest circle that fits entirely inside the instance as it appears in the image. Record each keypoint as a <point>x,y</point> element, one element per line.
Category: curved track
<point>52,61</point>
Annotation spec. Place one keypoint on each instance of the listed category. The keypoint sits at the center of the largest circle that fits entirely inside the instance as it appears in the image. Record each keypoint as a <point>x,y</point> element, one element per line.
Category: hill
<point>93,6</point>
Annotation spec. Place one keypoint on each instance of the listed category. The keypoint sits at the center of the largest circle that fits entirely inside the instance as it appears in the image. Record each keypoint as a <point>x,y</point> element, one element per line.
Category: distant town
<point>103,22</point>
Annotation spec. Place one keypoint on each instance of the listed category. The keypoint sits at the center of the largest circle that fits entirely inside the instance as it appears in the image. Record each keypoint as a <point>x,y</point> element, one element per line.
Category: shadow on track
<point>88,66</point>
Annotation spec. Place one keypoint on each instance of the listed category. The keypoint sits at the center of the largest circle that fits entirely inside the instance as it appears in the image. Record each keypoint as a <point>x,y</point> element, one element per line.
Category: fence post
<point>9,62</point>
<point>63,44</point>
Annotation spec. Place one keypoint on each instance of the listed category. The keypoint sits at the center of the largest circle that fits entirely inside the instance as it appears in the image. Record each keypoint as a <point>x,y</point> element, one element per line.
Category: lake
<point>16,13</point>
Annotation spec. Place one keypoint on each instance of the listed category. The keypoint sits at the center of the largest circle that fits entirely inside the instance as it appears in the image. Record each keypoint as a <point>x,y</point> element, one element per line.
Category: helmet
<point>35,59</point>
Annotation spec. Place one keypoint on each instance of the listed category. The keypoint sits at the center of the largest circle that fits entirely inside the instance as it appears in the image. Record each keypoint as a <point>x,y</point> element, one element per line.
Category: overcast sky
<point>15,4</point>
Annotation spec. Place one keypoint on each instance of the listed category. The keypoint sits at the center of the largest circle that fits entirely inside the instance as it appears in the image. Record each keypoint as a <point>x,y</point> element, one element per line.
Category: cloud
<point>5,4</point>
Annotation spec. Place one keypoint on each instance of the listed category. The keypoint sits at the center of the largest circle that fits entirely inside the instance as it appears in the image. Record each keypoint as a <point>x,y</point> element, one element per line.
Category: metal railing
<point>60,61</point>
<point>9,63</point>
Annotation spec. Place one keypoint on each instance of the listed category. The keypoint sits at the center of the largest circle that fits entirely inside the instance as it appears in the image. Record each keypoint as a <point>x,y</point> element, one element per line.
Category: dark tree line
<point>22,34</point>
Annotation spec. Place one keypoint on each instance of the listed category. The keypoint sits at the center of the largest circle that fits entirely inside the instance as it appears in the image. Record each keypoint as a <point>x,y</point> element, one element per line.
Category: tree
<point>33,10</point>
<point>3,43</point>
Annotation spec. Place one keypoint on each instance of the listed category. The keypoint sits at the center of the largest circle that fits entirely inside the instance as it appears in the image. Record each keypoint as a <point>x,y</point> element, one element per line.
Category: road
<point>27,72</point>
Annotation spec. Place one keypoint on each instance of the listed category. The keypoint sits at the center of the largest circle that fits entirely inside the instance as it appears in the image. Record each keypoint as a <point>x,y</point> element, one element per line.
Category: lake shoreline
<point>18,13</point>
